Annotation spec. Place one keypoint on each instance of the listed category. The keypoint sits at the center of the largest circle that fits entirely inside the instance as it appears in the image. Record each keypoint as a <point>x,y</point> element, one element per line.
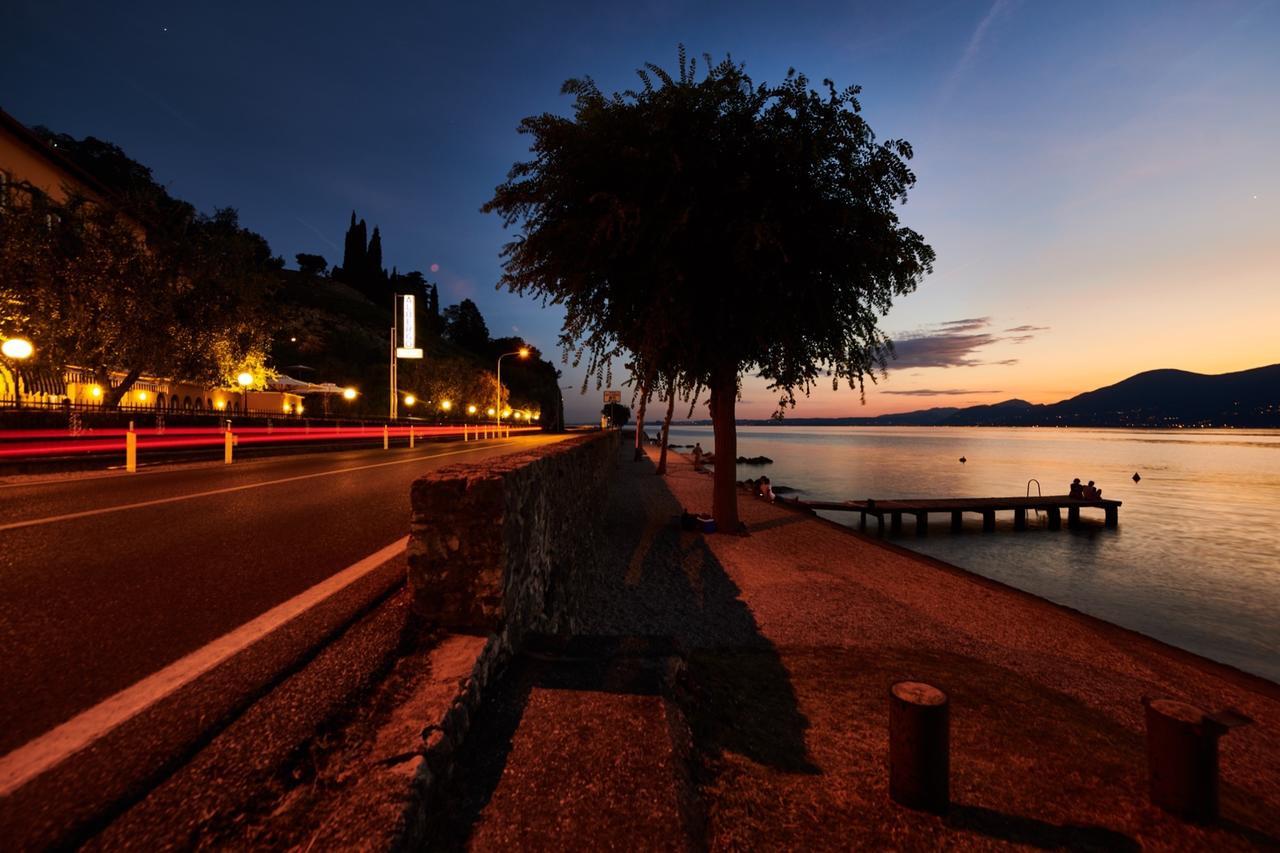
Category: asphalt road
<point>106,579</point>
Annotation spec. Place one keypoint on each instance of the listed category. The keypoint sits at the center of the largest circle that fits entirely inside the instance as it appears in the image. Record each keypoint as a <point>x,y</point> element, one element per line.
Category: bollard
<point>919,747</point>
<point>464,433</point>
<point>411,436</point>
<point>386,438</point>
<point>228,441</point>
<point>131,450</point>
<point>1182,756</point>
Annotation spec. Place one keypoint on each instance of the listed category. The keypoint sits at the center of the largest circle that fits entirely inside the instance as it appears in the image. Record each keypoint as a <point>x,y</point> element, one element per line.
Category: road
<point>107,579</point>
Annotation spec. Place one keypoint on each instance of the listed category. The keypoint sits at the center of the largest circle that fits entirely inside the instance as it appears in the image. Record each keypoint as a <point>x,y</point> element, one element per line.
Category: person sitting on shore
<point>766,489</point>
<point>697,455</point>
<point>1091,492</point>
<point>1077,490</point>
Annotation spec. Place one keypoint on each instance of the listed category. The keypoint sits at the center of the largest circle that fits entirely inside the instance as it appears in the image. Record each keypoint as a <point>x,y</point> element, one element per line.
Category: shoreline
<point>1048,726</point>
<point>1249,680</point>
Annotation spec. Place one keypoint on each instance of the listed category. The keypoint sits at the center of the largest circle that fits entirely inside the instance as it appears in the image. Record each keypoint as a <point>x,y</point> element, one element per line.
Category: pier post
<point>988,520</point>
<point>1055,518</point>
<point>862,521</point>
<point>957,521</point>
<point>1073,517</point>
<point>919,746</point>
<point>1113,516</point>
<point>1019,519</point>
<point>922,524</point>
<point>896,524</point>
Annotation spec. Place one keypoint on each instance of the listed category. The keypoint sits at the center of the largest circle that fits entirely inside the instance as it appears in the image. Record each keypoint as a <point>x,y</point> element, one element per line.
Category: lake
<point>1195,561</point>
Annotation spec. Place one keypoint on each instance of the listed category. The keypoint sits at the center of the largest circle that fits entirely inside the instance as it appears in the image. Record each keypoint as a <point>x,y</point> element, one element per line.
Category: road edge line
<point>47,751</point>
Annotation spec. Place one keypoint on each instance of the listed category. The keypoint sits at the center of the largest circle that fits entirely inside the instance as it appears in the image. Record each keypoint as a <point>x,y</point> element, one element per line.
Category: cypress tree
<point>375,276</point>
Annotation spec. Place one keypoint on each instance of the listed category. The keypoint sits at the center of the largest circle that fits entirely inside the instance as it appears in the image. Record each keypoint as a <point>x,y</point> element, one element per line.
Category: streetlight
<point>18,349</point>
<point>409,399</point>
<point>348,393</point>
<point>245,379</point>
<point>471,410</point>
<point>523,352</point>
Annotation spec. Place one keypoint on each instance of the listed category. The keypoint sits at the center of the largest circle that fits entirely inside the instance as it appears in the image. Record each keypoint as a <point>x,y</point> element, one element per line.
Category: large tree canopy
<point>713,226</point>
<point>80,282</point>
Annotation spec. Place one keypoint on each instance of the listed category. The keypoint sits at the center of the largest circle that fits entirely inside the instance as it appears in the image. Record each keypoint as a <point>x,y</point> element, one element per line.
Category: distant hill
<point>1156,398</point>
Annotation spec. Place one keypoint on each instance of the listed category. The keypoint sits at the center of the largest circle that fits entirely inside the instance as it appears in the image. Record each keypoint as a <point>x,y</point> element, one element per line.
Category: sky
<point>1100,181</point>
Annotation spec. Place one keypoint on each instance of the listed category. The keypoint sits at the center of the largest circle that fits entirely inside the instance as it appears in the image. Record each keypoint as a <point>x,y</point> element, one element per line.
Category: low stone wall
<point>495,546</point>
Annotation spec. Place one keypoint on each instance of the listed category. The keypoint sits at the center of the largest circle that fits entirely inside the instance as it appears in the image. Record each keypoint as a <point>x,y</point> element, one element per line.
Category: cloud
<point>972,324</point>
<point>1028,329</point>
<point>929,392</point>
<point>955,343</point>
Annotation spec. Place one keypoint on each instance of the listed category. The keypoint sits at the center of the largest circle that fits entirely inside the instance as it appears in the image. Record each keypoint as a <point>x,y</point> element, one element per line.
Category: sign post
<point>610,397</point>
<point>402,311</point>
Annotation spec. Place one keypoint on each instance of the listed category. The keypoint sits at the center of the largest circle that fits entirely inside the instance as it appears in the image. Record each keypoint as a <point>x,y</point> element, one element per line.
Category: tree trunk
<point>724,499</point>
<point>644,402</point>
<point>112,396</point>
<point>666,428</point>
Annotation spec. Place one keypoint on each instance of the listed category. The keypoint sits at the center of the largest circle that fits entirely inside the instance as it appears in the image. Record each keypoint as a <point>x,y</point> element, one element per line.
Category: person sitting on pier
<point>1077,490</point>
<point>1091,492</point>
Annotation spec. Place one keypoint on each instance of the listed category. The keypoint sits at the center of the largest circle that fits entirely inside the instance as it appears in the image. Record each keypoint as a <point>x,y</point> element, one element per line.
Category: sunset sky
<point>1101,182</point>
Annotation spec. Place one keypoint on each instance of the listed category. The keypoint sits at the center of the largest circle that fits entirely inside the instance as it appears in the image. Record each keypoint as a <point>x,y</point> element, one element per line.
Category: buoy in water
<point>963,460</point>
<point>1136,477</point>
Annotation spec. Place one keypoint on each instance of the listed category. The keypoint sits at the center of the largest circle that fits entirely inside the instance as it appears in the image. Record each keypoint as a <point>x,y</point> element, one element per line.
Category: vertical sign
<point>406,325</point>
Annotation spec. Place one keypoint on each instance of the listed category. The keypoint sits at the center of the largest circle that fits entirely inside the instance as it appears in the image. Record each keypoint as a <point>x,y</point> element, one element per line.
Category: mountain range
<point>1155,398</point>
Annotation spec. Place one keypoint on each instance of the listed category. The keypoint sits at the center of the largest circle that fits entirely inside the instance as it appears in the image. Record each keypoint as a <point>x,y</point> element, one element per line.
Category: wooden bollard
<point>919,746</point>
<point>1182,756</point>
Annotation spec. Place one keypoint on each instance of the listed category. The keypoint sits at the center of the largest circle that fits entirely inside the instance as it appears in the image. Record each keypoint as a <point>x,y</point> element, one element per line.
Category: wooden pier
<point>1051,505</point>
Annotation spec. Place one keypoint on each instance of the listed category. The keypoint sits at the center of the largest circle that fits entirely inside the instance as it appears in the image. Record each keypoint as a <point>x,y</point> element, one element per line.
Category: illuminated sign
<point>406,324</point>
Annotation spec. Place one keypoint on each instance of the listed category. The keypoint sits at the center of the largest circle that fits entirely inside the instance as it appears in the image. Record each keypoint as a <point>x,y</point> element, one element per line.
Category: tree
<point>188,301</point>
<point>375,277</point>
<point>713,226</point>
<point>617,414</point>
<point>312,266</point>
<point>354,254</point>
<point>465,326</point>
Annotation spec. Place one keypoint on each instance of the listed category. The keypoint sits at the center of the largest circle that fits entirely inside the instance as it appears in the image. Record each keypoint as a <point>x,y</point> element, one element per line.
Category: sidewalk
<point>792,636</point>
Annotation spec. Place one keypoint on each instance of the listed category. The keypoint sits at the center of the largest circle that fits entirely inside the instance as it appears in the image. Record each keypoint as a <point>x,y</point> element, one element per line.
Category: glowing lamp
<point>524,352</point>
<point>348,393</point>
<point>142,396</point>
<point>245,379</point>
<point>18,348</point>
<point>471,410</point>
<point>220,404</point>
<point>446,405</point>
<point>409,399</point>
<point>492,411</point>
<point>95,391</point>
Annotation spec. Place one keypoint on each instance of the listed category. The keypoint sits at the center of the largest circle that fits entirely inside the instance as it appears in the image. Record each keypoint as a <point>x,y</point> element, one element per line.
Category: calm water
<point>1195,561</point>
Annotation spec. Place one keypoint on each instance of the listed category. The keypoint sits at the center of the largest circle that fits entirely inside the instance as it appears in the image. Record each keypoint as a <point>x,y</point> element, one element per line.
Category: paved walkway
<point>777,736</point>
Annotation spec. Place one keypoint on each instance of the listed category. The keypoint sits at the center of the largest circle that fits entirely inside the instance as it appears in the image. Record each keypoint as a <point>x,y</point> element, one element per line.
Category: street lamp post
<point>18,349</point>
<point>523,352</point>
<point>245,379</point>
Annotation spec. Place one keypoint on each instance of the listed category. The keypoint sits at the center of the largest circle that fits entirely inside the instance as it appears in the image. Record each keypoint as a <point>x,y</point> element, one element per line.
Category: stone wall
<point>495,546</point>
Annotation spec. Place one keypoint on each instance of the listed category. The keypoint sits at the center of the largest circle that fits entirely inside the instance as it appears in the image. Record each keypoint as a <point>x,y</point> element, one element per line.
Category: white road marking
<point>52,519</point>
<point>58,744</point>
